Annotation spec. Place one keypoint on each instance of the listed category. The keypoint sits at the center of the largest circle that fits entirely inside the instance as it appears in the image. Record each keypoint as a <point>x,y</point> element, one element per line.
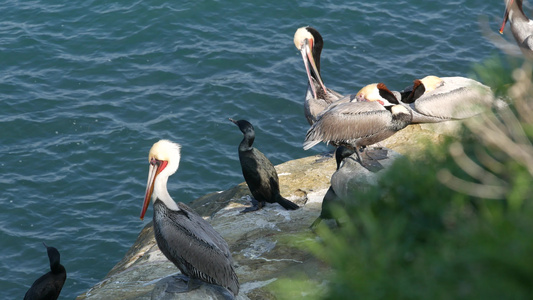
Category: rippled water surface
<point>88,86</point>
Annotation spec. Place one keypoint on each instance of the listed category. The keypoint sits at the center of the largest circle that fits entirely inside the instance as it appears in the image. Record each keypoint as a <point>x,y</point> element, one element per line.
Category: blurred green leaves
<point>414,237</point>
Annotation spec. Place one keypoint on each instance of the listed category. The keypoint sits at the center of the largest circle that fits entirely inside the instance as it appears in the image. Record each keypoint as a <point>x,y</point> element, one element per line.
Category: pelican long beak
<point>506,14</point>
<point>155,169</point>
<point>307,56</point>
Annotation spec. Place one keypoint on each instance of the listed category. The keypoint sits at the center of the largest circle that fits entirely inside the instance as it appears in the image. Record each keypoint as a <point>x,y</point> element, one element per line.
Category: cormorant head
<point>53,256</point>
<point>341,153</point>
<point>245,126</point>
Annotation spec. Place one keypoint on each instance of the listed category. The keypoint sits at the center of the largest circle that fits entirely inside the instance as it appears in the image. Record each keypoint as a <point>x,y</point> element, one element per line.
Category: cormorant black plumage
<point>258,171</point>
<point>331,199</point>
<point>48,286</point>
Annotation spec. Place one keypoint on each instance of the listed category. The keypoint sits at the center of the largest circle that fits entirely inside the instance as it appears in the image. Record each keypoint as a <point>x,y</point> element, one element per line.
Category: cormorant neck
<point>57,268</point>
<point>247,142</point>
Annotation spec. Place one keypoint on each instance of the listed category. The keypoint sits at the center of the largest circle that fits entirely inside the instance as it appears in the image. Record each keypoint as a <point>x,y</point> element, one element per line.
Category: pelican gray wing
<point>348,122</point>
<point>314,106</point>
<point>457,98</point>
<point>194,246</point>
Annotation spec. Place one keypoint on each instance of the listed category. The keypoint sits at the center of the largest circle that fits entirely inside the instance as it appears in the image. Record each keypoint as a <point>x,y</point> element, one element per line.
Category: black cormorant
<point>330,198</point>
<point>48,286</point>
<point>258,171</point>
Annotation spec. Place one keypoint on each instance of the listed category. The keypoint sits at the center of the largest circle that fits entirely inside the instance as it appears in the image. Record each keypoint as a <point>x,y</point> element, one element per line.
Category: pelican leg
<point>368,163</point>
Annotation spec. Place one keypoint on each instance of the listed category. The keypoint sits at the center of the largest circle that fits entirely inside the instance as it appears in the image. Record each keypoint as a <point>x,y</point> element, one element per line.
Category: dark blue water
<point>88,86</point>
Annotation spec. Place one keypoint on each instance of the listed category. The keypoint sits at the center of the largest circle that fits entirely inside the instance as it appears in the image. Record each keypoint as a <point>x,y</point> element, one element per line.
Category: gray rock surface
<point>261,241</point>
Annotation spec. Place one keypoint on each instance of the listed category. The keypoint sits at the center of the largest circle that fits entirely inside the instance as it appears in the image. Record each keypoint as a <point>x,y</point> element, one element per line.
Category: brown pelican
<point>433,99</point>
<point>259,173</point>
<point>184,237</point>
<point>318,97</point>
<point>50,284</point>
<point>521,26</point>
<point>360,124</point>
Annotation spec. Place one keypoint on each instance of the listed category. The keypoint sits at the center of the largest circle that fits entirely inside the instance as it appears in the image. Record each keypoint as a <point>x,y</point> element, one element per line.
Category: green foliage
<point>494,72</point>
<point>413,237</point>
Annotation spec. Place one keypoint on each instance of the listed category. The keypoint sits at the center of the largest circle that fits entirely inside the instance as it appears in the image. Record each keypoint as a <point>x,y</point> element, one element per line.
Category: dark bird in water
<point>183,236</point>
<point>48,286</point>
<point>521,26</point>
<point>259,173</point>
<point>331,199</point>
<point>358,124</point>
<point>318,97</point>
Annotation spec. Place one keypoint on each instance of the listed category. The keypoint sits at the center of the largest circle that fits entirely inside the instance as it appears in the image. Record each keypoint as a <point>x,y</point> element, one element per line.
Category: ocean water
<point>88,86</point>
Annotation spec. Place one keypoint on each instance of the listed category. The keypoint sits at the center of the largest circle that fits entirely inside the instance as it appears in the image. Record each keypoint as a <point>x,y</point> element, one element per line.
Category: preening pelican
<point>309,41</point>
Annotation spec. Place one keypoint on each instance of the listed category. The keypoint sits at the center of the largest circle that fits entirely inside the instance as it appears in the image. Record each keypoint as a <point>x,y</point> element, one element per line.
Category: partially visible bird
<point>434,99</point>
<point>521,26</point>
<point>330,198</point>
<point>359,124</point>
<point>48,286</point>
<point>309,41</point>
<point>184,237</point>
<point>259,173</point>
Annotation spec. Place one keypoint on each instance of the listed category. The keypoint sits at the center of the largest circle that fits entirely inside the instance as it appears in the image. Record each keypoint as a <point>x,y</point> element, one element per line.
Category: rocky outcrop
<point>260,241</point>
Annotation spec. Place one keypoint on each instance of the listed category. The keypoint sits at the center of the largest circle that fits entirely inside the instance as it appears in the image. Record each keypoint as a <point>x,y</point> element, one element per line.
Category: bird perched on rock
<point>184,237</point>
<point>435,99</point>
<point>259,173</point>
<point>330,198</point>
<point>309,42</point>
<point>358,124</point>
<point>48,286</point>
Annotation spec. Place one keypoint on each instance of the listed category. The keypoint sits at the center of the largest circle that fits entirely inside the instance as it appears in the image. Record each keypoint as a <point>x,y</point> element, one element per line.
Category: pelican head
<point>164,159</point>
<point>310,42</point>
<point>431,83</point>
<point>377,92</point>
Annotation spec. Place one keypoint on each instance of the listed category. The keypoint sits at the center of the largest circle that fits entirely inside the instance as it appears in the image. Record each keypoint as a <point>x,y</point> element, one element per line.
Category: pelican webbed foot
<point>181,284</point>
<point>377,153</point>
<point>369,162</point>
